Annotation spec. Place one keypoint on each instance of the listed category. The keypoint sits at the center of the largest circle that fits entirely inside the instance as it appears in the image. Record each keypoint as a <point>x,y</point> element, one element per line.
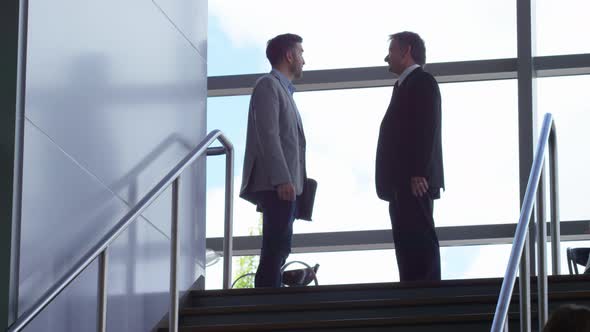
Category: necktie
<point>395,88</point>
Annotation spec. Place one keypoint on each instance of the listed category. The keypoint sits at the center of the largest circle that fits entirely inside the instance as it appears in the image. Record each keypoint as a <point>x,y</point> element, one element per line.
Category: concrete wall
<point>116,96</point>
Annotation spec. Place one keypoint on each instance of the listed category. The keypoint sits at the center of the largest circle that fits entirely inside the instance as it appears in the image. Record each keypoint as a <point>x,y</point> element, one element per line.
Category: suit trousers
<point>416,243</point>
<point>277,232</point>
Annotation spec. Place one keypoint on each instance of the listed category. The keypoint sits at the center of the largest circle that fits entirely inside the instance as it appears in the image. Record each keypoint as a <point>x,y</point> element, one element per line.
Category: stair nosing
<point>365,322</point>
<point>368,303</point>
<point>372,286</point>
<point>347,304</point>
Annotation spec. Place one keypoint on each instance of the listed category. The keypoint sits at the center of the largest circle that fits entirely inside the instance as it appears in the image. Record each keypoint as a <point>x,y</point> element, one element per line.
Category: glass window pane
<point>562,27</point>
<point>472,262</point>
<point>479,148</point>
<point>241,265</point>
<point>356,35</point>
<point>567,99</point>
<point>373,266</point>
<point>230,115</point>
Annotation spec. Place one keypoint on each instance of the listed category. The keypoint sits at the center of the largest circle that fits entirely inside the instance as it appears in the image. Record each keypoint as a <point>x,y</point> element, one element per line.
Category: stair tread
<point>332,307</point>
<point>342,323</point>
<point>341,304</point>
<point>348,287</point>
<point>371,291</point>
<point>437,300</point>
<point>375,286</point>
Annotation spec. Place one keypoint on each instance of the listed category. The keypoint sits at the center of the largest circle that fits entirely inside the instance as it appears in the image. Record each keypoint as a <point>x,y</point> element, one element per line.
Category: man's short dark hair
<point>407,38</point>
<point>277,48</point>
<point>569,317</point>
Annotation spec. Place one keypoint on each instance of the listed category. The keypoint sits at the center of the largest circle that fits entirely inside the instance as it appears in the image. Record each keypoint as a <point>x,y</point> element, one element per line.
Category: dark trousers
<point>416,244</point>
<point>277,231</point>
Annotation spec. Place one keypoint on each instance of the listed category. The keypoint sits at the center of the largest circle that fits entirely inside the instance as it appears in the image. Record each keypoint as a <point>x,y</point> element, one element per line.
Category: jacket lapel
<point>292,101</point>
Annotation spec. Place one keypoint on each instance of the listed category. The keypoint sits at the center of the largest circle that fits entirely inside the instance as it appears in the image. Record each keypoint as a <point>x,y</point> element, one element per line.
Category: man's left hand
<point>419,186</point>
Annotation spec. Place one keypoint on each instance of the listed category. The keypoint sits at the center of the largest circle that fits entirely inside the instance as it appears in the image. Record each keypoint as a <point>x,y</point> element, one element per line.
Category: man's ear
<point>408,51</point>
<point>289,56</point>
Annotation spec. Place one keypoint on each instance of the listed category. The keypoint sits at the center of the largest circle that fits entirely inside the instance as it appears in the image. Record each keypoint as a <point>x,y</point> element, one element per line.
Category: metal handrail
<point>100,249</point>
<point>535,188</point>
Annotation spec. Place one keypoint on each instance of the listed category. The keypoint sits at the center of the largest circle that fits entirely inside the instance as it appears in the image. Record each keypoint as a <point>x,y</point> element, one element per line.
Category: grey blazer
<point>275,141</point>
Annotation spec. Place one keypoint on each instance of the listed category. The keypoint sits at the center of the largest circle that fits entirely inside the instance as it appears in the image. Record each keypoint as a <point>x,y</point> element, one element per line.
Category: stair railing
<point>100,250</point>
<point>520,252</point>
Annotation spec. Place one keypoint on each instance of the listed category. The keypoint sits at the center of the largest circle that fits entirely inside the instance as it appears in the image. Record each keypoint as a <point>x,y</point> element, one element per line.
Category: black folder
<point>306,199</point>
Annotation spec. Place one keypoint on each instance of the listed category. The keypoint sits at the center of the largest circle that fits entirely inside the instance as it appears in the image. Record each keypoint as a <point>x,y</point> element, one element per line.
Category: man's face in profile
<point>394,57</point>
<point>297,61</point>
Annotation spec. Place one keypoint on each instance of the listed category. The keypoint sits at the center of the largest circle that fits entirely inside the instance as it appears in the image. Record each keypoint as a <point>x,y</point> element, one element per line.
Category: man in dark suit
<point>274,163</point>
<point>409,163</point>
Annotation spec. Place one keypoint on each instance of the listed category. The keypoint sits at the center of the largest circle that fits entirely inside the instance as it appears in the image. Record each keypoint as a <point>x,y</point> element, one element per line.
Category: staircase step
<point>364,309</point>
<point>344,310</point>
<point>333,305</point>
<point>376,291</point>
<point>457,305</point>
<point>456,323</point>
<point>295,295</point>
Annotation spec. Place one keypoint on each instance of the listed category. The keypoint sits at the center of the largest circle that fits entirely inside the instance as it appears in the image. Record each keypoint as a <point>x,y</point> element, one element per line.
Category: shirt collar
<point>405,74</point>
<point>284,81</point>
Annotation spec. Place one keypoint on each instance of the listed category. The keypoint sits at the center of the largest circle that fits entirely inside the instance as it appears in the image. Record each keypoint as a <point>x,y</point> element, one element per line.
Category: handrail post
<point>103,261</point>
<point>522,247</point>
<point>228,222</point>
<point>524,282</point>
<point>173,320</point>
<point>541,252</point>
<point>554,189</point>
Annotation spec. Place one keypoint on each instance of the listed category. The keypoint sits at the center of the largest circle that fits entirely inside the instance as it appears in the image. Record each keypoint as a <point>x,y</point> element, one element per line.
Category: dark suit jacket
<point>410,137</point>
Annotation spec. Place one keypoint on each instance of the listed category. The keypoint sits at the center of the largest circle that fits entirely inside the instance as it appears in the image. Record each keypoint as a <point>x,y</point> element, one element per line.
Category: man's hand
<point>419,186</point>
<point>286,192</point>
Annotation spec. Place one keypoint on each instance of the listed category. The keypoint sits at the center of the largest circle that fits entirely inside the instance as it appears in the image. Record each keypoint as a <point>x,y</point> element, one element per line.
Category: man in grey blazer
<point>274,162</point>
